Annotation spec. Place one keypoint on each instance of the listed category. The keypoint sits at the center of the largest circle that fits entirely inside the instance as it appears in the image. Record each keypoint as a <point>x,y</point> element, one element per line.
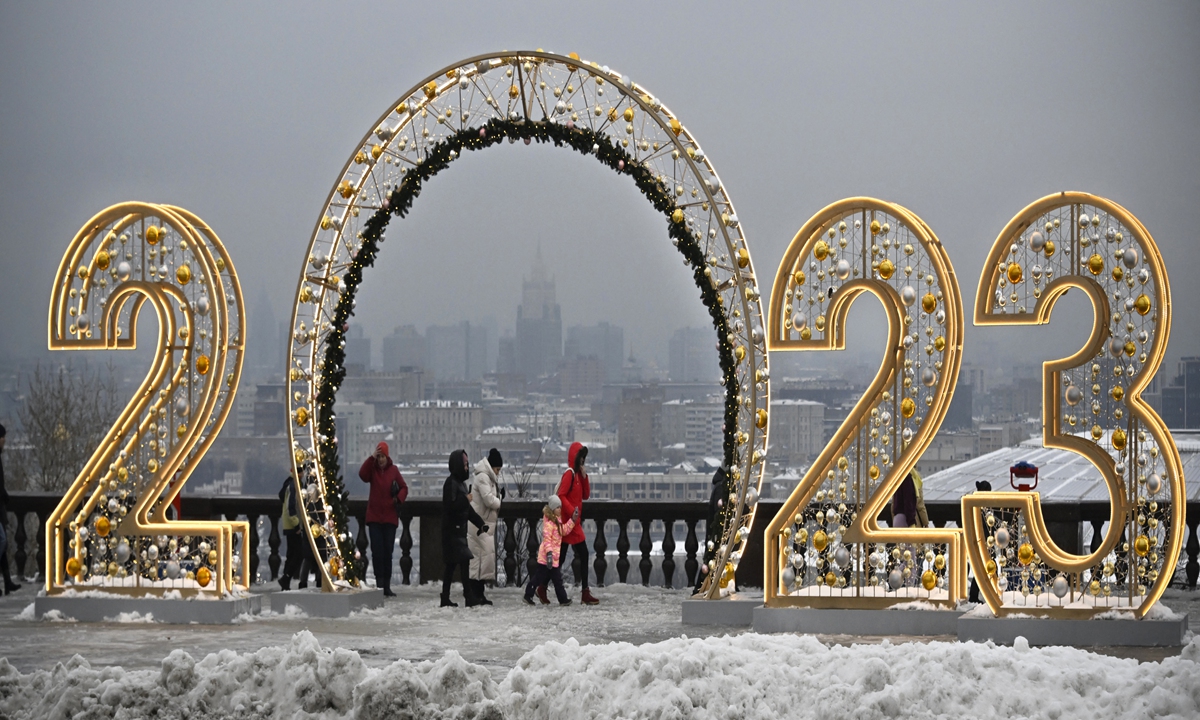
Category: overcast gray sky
<point>244,113</point>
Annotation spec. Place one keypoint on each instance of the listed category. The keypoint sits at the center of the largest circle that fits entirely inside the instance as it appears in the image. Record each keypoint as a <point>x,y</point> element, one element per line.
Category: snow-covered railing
<point>617,524</point>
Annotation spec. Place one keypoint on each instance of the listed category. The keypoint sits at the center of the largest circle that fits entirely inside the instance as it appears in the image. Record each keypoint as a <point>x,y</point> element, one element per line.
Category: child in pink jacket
<point>549,557</point>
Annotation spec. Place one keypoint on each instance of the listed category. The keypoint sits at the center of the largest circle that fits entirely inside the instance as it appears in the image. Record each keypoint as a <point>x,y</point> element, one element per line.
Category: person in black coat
<point>299,561</point>
<point>9,586</point>
<point>456,513</point>
<point>720,489</point>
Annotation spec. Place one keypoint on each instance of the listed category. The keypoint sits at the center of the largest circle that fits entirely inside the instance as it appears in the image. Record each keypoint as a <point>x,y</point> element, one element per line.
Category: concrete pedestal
<point>737,610</point>
<point>314,603</point>
<point>1077,633</point>
<point>830,621</point>
<point>102,608</point>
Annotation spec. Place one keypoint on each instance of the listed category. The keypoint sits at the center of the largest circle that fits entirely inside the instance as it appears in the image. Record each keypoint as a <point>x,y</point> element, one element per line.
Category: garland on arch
<point>399,202</point>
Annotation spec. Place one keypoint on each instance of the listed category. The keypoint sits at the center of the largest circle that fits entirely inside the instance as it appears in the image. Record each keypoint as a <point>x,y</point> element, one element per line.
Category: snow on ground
<point>629,657</point>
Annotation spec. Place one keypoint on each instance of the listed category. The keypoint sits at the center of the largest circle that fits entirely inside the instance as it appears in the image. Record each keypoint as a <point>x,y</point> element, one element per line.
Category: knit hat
<point>555,502</point>
<point>494,458</point>
<point>3,432</point>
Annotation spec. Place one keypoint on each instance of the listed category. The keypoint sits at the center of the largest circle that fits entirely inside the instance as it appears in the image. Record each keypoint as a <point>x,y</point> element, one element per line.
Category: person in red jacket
<point>388,490</point>
<point>573,489</point>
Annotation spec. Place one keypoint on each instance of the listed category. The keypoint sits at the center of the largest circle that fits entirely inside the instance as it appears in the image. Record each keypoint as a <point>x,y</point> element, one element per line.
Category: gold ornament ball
<point>212,557</point>
<point>830,579</point>
<point>875,226</point>
<point>990,567</point>
<point>102,260</point>
<point>1141,545</point>
<point>821,250</point>
<point>1095,264</point>
<point>677,216</point>
<point>1025,553</point>
<point>929,302</point>
<point>798,277</point>
<point>316,530</point>
<point>939,561</point>
<point>760,418</point>
<point>1049,249</point>
<point>929,579</point>
<point>1118,439</point>
<point>907,407</point>
<point>103,527</point>
<point>203,576</point>
<point>820,541</point>
<point>1014,273</point>
<point>153,234</point>
<point>1142,304</point>
<point>628,114</point>
<point>202,364</point>
<point>302,417</point>
<point>886,269</point>
<point>74,567</point>
<point>743,258</point>
<point>183,274</point>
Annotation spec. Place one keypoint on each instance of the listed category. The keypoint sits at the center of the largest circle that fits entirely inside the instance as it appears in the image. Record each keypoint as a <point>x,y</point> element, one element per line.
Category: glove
<point>502,493</point>
<point>482,529</point>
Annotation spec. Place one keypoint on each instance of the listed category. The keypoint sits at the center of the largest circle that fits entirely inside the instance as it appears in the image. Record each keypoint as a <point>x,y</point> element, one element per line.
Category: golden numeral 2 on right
<point>827,548</point>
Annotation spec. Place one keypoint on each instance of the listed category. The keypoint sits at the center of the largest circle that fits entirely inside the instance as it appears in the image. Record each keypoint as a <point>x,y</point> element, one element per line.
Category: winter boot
<point>541,593</point>
<point>479,588</point>
<point>387,591</point>
<point>10,587</point>
<point>588,598</point>
<point>447,602</point>
<point>285,582</point>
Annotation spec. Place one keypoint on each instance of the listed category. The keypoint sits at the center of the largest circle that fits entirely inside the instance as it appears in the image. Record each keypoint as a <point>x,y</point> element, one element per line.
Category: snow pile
<point>276,682</point>
<point>771,676</point>
<point>744,676</point>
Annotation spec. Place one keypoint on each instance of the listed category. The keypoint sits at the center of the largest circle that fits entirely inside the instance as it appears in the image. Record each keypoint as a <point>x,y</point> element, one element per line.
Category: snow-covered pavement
<point>628,657</point>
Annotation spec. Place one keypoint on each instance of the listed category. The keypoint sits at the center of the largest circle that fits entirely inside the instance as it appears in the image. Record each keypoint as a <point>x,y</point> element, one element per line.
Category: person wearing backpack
<point>299,553</point>
<point>388,491</point>
<point>573,489</point>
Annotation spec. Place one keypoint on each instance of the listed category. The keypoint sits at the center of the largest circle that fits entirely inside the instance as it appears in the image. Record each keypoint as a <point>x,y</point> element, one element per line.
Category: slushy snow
<point>742,676</point>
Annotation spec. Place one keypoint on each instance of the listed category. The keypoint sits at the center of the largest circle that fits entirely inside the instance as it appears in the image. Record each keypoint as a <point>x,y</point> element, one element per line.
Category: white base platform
<point>828,621</point>
<point>174,611</point>
<point>314,603</point>
<point>737,610</point>
<point>1078,633</point>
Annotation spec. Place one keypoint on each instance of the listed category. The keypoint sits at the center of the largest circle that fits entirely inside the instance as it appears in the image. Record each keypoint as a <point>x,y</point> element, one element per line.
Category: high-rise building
<point>693,355</point>
<point>698,425</point>
<point>358,351</point>
<point>403,349</point>
<point>1189,370</point>
<point>539,324</point>
<point>456,352</point>
<point>639,429</point>
<point>435,427</point>
<point>353,418</point>
<point>797,430</point>
<point>602,341</point>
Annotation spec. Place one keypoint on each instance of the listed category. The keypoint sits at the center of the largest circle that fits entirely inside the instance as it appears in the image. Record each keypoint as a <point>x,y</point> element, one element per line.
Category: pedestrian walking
<point>486,495</point>
<point>573,489</point>
<point>550,552</point>
<point>10,587</point>
<point>298,562</point>
<point>388,491</point>
<point>456,513</point>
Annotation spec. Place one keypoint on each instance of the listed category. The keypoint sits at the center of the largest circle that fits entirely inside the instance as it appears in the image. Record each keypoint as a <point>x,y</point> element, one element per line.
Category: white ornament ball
<point>843,269</point>
<point>173,570</point>
<point>1037,241</point>
<point>122,551</point>
<point>908,295</point>
<point>788,576</point>
<point>895,579</point>
<point>842,557</point>
<point>124,271</point>
<point>1060,586</point>
<point>1002,537</point>
<point>1154,484</point>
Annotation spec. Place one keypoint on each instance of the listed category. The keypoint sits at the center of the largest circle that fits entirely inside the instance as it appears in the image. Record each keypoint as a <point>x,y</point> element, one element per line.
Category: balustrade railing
<point>603,520</point>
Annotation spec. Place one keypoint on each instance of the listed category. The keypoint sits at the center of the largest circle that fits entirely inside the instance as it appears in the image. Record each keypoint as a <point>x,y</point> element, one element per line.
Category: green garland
<point>399,202</point>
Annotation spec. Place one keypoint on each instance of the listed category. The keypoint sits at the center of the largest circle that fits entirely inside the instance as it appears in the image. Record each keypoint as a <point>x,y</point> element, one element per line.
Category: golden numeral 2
<point>110,530</point>
<point>826,548</point>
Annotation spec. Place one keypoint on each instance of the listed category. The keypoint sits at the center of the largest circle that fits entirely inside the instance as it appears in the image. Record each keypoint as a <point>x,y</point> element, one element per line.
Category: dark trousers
<point>299,557</point>
<point>448,577</point>
<point>581,555</point>
<point>543,574</point>
<point>383,537</point>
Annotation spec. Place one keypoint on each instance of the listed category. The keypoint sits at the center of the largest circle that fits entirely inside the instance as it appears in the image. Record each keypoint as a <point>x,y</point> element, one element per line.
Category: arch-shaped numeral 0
<point>825,547</point>
<point>1091,405</point>
<point>110,529</point>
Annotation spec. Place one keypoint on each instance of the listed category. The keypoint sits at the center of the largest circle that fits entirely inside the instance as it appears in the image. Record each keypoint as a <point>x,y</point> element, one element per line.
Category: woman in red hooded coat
<point>573,489</point>
<point>388,490</point>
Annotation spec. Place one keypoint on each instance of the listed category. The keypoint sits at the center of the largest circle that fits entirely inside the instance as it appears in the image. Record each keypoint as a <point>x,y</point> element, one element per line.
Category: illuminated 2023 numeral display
<point>1091,405</point>
<point>110,530</point>
<point>826,547</point>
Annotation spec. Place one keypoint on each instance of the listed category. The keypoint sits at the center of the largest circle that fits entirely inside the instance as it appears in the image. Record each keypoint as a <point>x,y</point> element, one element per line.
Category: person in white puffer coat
<point>486,496</point>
